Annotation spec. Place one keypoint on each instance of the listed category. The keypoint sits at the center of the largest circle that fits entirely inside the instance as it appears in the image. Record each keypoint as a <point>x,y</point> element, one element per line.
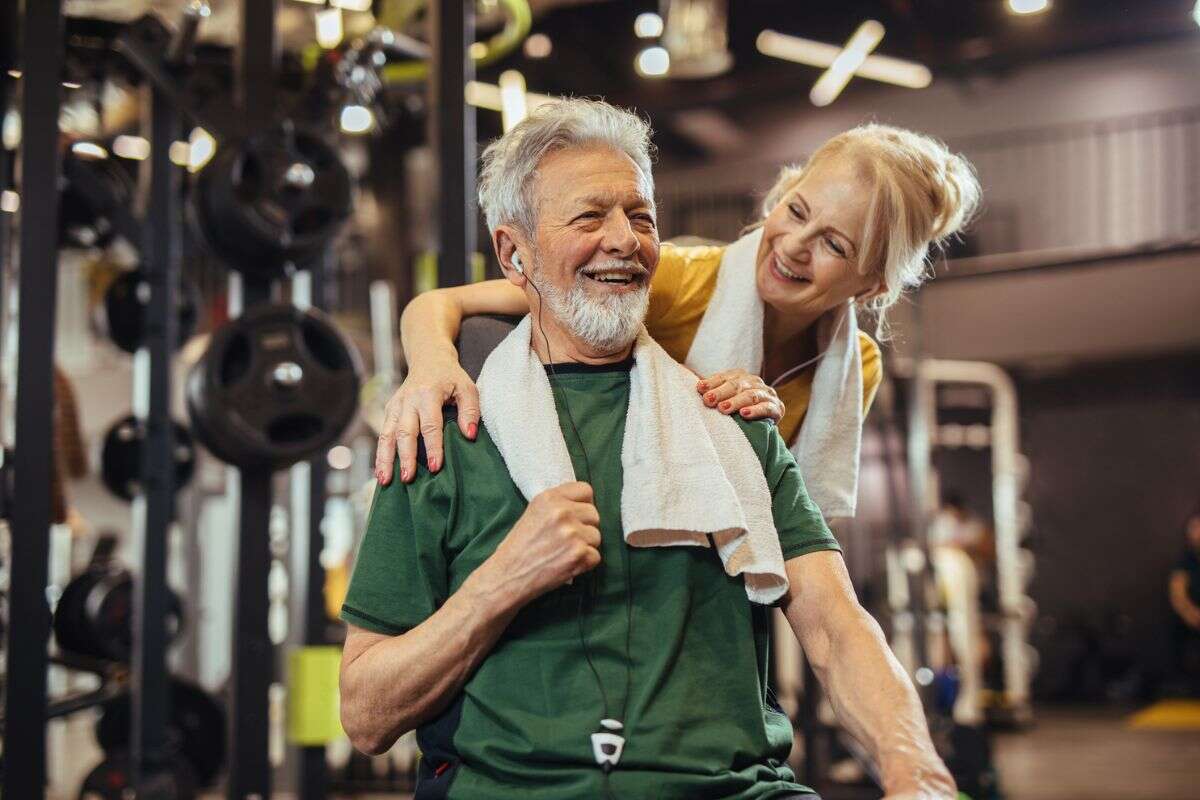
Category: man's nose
<point>619,240</point>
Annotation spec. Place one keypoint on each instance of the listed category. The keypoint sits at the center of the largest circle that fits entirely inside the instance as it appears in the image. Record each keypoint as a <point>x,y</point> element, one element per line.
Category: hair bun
<point>955,193</point>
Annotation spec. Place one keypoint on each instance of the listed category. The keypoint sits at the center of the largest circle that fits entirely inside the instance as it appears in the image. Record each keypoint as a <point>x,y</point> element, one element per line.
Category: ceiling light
<point>71,85</point>
<point>353,5</point>
<point>340,457</point>
<point>653,62</point>
<point>89,150</point>
<point>886,69</point>
<point>356,119</point>
<point>10,201</point>
<point>538,46</point>
<point>1196,12</point>
<point>857,48</point>
<point>14,73</point>
<point>329,27</point>
<point>648,26</point>
<point>10,130</point>
<point>488,96</point>
<point>178,153</point>
<point>201,147</point>
<point>1027,6</point>
<point>512,99</point>
<point>136,148</point>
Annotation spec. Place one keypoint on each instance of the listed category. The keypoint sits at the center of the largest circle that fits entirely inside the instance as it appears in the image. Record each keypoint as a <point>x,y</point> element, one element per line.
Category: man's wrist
<point>915,769</point>
<point>491,591</point>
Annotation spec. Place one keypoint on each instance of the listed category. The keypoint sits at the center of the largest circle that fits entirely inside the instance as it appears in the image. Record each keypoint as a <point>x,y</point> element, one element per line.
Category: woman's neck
<point>788,340</point>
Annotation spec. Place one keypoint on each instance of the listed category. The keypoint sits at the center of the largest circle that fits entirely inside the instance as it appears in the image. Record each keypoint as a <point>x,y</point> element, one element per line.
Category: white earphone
<point>516,262</point>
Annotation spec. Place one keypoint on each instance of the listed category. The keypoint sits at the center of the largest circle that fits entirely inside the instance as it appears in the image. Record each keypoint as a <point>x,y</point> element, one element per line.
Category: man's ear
<point>505,241</point>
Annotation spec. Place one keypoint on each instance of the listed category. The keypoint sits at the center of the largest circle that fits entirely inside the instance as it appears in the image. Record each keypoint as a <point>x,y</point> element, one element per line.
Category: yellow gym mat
<point>1174,715</point>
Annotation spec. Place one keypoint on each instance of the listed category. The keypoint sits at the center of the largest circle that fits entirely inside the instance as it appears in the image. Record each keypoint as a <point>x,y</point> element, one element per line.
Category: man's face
<point>595,246</point>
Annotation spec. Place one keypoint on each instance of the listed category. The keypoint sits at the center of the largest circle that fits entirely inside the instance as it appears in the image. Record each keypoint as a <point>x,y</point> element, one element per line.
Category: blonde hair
<point>921,195</point>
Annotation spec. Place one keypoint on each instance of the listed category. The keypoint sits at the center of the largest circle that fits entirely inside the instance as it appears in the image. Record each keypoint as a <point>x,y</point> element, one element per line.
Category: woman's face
<point>808,261</point>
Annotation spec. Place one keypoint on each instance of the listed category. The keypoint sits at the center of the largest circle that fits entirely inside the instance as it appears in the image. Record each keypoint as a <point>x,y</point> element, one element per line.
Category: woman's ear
<point>878,287</point>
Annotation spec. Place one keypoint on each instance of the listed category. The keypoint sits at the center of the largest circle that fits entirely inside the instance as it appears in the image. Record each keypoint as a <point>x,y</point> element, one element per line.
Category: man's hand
<point>416,410</point>
<point>1192,618</point>
<point>557,538</point>
<point>736,391</point>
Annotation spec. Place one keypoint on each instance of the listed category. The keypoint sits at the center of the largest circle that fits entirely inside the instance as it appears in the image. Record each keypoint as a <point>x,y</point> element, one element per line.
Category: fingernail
<point>435,464</point>
<point>745,412</point>
<point>472,430</point>
<point>404,474</point>
<point>725,406</point>
<point>708,398</point>
<point>702,385</point>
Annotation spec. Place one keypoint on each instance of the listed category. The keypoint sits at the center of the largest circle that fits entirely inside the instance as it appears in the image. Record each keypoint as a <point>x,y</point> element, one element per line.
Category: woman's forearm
<point>431,322</point>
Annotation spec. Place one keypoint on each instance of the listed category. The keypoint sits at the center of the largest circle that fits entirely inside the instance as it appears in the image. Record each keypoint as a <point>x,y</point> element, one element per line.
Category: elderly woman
<point>851,228</point>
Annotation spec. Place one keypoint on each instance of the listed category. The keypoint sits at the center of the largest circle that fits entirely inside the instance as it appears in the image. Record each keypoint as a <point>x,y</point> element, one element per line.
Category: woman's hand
<point>416,410</point>
<point>737,391</point>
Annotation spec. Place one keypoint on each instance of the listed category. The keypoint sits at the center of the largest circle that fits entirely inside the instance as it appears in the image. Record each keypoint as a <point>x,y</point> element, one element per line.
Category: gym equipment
<point>112,779</point>
<point>275,386</point>
<point>272,201</point>
<point>125,302</point>
<point>195,729</point>
<point>94,615</point>
<point>92,193</point>
<point>121,456</point>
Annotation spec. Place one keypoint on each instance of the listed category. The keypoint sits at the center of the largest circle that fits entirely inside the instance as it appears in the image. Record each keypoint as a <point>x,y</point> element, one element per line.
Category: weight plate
<point>195,729</point>
<point>272,200</point>
<point>94,615</point>
<point>276,386</point>
<point>125,303</point>
<point>121,457</point>
<point>112,779</point>
<point>84,220</point>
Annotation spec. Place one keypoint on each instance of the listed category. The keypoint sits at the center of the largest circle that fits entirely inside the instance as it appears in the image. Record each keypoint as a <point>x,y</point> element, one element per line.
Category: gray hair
<point>510,162</point>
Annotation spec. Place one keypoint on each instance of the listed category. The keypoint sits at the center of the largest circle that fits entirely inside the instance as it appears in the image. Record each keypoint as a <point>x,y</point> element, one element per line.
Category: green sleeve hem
<point>370,623</point>
<point>829,544</point>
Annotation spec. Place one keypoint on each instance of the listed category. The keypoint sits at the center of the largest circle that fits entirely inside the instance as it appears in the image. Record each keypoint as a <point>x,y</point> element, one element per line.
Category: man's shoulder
<point>759,432</point>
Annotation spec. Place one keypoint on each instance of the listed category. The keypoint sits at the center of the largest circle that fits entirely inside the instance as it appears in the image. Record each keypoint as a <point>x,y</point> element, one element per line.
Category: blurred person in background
<point>1183,589</point>
<point>851,228</point>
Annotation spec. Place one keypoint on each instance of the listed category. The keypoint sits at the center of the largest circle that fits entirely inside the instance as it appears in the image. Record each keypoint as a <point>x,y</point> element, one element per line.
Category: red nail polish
<point>708,398</point>
<point>435,464</point>
<point>472,430</point>
<point>745,412</point>
<point>702,385</point>
<point>725,406</point>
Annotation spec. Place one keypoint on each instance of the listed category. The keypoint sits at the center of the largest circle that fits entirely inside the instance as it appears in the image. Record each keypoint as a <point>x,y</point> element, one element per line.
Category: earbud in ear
<point>516,262</point>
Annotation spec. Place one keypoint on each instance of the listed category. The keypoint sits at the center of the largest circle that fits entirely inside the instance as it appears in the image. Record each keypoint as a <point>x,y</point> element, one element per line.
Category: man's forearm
<point>877,703</point>
<point>393,684</point>
<point>1180,601</point>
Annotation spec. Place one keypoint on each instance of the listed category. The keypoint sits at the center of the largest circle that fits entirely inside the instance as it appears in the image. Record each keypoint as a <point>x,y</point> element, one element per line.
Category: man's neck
<point>566,349</point>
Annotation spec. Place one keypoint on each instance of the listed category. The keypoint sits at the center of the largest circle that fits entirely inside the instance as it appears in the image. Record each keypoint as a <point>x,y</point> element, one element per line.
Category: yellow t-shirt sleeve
<point>872,369</point>
<point>679,293</point>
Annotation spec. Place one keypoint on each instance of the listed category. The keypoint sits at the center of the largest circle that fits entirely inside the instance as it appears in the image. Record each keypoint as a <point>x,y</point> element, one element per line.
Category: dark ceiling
<point>594,48</point>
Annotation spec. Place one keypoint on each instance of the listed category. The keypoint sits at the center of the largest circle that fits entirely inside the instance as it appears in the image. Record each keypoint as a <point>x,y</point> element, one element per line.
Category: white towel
<point>689,472</point>
<point>730,336</point>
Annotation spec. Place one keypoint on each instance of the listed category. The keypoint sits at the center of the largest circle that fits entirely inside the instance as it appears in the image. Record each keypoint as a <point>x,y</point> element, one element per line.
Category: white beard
<point>604,323</point>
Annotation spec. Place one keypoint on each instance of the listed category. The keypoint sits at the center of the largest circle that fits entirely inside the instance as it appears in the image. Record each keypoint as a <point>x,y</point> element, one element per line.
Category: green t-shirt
<point>698,723</point>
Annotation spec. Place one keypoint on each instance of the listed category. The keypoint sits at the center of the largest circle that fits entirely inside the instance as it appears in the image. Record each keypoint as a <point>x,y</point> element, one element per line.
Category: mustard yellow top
<point>679,294</point>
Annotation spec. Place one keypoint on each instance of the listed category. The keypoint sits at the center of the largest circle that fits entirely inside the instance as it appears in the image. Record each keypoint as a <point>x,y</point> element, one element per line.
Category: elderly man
<point>559,638</point>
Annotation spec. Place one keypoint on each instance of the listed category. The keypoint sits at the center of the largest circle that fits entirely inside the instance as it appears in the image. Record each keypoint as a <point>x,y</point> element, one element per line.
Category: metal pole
<point>452,137</point>
<point>308,576</point>
<point>253,659</point>
<point>28,617</point>
<point>161,264</point>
